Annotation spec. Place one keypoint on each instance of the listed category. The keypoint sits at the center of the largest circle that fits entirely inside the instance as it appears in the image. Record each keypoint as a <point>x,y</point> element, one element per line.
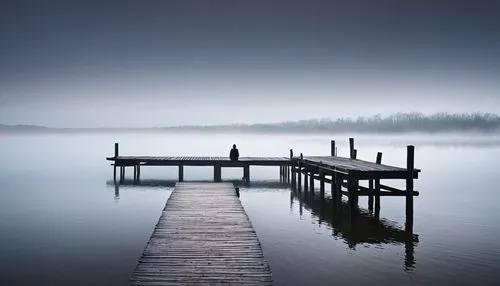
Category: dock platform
<point>203,237</point>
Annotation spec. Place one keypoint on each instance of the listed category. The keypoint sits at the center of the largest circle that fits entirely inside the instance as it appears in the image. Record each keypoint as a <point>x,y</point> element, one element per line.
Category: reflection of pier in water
<point>171,183</point>
<point>356,226</point>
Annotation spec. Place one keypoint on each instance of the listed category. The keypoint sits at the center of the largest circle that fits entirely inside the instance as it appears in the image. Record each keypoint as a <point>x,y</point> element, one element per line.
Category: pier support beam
<point>351,189</point>
<point>217,173</point>
<point>246,173</point>
<point>122,173</point>
<point>409,188</point>
<point>377,198</point>
<point>181,173</point>
<point>114,164</point>
<point>138,172</point>
<point>371,183</point>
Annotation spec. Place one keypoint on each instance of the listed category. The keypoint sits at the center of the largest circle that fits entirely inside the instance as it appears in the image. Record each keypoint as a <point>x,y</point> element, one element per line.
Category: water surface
<point>64,223</point>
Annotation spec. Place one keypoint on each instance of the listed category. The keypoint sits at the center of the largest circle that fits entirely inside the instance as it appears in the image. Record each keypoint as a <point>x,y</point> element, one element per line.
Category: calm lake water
<point>63,222</point>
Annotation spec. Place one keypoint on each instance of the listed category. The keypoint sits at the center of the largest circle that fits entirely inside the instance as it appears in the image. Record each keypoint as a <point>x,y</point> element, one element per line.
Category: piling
<point>409,187</point>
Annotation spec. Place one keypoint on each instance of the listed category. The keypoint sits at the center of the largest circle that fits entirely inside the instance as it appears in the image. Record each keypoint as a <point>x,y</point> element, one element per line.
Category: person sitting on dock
<point>234,154</point>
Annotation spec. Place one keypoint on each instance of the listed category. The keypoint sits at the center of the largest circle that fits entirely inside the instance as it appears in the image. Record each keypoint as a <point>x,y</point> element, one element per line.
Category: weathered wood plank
<point>203,237</point>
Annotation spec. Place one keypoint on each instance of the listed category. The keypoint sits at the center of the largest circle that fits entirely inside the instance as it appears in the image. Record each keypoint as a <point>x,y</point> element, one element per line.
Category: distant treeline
<point>395,123</point>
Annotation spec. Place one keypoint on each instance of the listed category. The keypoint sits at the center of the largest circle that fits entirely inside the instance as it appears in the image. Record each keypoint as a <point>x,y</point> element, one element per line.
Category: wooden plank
<point>203,237</point>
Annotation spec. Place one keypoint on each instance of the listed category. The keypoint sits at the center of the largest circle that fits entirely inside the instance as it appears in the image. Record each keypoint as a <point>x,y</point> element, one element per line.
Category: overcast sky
<point>145,63</point>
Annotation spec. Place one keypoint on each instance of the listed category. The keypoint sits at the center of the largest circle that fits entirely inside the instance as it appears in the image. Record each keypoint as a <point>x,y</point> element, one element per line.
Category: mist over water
<point>64,221</point>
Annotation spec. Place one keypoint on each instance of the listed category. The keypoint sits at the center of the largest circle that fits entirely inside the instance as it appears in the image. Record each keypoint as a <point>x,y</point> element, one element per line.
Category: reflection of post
<point>301,207</point>
<point>117,191</point>
<point>409,252</point>
<point>409,188</point>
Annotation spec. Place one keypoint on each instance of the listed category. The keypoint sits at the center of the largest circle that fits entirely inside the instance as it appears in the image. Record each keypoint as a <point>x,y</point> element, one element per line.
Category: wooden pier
<point>217,162</point>
<point>347,176</point>
<point>203,237</point>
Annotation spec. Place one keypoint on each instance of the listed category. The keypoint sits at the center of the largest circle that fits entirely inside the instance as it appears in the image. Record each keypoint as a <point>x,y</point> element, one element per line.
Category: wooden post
<point>138,172</point>
<point>114,163</point>
<point>371,187</point>
<point>122,173</point>
<point>281,172</point>
<point>377,198</point>
<point>410,167</point>
<point>246,173</point>
<point>351,189</point>
<point>135,173</point>
<point>217,173</point>
<point>322,184</point>
<point>355,154</point>
<point>291,154</point>
<point>351,147</point>
<point>294,175</point>
<point>377,188</point>
<point>379,158</point>
<point>333,187</point>
<point>181,173</point>
<point>332,148</point>
<point>338,189</point>
<point>370,196</point>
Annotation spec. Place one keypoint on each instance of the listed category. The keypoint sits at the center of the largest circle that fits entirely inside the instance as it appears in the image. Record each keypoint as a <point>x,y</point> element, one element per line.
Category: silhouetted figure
<point>234,154</point>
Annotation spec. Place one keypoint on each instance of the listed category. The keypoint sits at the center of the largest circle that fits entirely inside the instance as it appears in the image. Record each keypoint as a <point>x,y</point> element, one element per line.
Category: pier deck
<point>197,161</point>
<point>203,237</point>
<point>359,169</point>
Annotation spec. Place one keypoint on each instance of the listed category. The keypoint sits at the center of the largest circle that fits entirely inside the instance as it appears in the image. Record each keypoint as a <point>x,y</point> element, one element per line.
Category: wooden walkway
<point>203,237</point>
<point>355,167</point>
<point>197,161</point>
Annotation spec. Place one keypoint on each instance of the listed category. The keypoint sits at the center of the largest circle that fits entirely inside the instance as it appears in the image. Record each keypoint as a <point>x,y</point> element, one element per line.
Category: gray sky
<point>159,63</point>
